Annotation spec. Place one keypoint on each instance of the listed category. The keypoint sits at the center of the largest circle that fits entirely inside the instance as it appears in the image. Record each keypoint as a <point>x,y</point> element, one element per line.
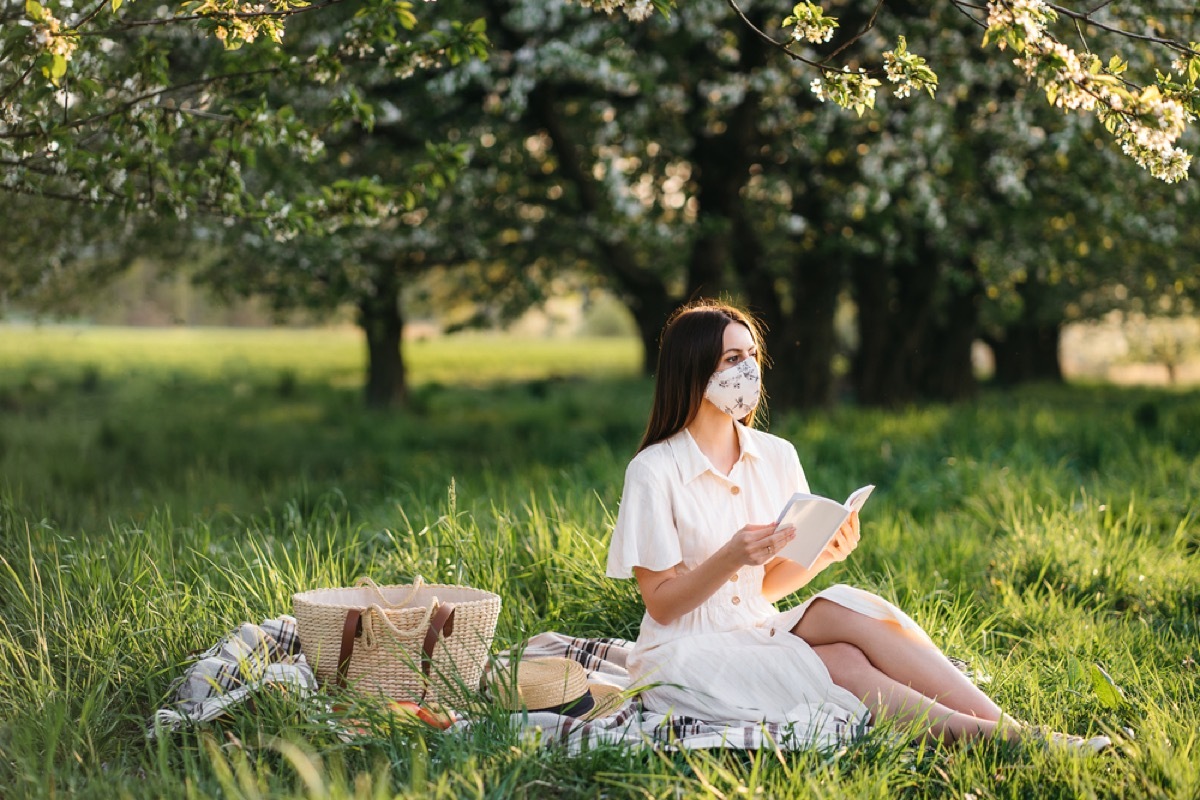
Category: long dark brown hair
<point>689,350</point>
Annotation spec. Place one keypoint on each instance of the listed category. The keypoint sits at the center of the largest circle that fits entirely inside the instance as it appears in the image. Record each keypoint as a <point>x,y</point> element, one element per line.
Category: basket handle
<point>441,624</point>
<point>417,583</point>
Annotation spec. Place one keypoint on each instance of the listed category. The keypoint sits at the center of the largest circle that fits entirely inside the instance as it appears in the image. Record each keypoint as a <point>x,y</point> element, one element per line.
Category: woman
<point>694,529</point>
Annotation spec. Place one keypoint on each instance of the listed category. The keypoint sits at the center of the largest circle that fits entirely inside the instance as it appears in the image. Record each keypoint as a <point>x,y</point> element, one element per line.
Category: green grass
<point>159,487</point>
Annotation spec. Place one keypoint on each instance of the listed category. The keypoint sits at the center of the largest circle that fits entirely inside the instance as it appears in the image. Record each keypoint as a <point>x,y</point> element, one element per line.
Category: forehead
<point>737,337</point>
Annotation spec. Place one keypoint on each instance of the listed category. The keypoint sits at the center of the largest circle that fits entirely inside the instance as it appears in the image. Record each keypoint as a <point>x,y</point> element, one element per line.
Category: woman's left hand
<point>844,541</point>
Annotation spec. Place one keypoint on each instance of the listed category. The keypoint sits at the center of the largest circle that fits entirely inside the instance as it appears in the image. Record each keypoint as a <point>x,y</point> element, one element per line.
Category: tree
<point>161,110</point>
<point>153,118</point>
<point>474,228</point>
<point>788,213</point>
<point>1145,116</point>
<point>748,187</point>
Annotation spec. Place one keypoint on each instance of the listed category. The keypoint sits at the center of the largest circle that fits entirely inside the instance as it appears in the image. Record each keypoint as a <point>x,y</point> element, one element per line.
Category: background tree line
<point>672,159</point>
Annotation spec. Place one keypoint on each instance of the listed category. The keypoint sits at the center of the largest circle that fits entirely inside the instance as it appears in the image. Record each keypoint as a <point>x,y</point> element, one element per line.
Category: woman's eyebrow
<point>739,349</point>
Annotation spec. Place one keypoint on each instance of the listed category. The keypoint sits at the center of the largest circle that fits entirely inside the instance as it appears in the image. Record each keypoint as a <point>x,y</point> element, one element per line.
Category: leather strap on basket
<point>441,623</point>
<point>351,628</point>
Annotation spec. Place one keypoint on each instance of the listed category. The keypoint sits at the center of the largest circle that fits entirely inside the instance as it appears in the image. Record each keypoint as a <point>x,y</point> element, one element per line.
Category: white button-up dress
<point>733,658</point>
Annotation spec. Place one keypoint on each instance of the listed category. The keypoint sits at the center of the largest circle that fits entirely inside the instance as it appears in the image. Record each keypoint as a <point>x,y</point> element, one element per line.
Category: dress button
<point>736,600</point>
<point>735,489</point>
<point>733,578</point>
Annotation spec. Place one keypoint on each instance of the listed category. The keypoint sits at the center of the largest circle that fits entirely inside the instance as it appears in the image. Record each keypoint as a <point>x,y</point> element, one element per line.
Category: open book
<point>816,520</point>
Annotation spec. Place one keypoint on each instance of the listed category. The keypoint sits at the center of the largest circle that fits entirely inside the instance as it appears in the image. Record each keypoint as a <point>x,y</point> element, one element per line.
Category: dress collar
<point>693,463</point>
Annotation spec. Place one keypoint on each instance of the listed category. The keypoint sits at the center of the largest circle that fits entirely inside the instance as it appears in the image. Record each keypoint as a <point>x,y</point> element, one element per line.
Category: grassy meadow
<point>159,487</point>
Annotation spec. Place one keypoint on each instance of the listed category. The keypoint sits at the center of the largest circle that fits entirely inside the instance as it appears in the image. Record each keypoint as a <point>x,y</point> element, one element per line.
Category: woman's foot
<point>1053,740</point>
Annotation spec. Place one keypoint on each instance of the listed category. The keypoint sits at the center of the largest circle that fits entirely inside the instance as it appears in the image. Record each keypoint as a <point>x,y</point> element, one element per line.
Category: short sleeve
<point>797,481</point>
<point>645,533</point>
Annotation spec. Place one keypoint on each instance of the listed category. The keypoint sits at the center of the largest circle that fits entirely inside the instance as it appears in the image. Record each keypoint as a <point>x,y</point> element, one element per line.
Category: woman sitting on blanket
<point>694,527</point>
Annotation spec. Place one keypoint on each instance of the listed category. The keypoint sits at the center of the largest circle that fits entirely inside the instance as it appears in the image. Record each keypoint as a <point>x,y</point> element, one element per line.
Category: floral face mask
<point>735,390</point>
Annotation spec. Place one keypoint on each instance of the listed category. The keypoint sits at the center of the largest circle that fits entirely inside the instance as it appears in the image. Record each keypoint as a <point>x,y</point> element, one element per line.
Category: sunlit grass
<point>149,505</point>
<point>48,354</point>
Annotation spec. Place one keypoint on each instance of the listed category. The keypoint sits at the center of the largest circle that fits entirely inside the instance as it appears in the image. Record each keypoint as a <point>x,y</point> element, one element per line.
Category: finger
<point>777,539</point>
<point>764,535</point>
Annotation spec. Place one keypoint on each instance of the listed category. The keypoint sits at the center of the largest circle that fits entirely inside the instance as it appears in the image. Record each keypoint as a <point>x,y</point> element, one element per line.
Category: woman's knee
<point>843,659</point>
<point>823,619</point>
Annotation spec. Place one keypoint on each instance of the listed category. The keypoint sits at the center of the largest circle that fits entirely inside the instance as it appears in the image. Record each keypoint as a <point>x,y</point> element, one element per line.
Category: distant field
<point>334,355</point>
<point>157,487</point>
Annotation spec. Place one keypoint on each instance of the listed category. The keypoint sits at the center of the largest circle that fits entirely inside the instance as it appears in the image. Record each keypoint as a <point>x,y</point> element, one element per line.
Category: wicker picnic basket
<point>418,642</point>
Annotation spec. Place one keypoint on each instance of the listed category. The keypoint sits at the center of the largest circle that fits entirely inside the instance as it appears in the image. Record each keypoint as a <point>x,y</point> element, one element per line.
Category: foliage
<point>1047,537</point>
<point>1146,116</point>
<point>164,109</point>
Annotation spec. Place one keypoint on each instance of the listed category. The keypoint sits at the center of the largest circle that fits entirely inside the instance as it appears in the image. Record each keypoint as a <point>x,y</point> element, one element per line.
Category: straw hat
<point>557,685</point>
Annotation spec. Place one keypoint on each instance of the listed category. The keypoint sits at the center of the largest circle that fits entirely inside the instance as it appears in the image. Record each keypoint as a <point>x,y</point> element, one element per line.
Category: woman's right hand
<point>673,592</point>
<point>757,544</point>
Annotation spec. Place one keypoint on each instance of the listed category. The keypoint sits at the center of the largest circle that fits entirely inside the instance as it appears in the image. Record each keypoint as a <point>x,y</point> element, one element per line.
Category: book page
<point>816,520</point>
<point>858,499</point>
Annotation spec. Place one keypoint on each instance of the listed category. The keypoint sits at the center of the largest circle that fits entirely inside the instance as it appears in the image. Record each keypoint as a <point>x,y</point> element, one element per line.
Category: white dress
<point>734,658</point>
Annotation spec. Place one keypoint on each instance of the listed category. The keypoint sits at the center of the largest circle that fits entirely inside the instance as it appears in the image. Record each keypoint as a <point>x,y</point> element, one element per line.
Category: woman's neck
<point>715,433</point>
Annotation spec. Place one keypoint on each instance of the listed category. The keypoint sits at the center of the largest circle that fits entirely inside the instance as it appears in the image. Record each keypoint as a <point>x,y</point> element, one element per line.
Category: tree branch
<point>145,23</point>
<point>870,24</point>
<point>90,15</point>
<point>1086,16</point>
<point>128,104</point>
<point>781,46</point>
<point>12,87</point>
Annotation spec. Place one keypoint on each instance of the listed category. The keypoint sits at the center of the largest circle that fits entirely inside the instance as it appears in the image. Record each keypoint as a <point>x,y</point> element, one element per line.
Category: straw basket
<point>411,642</point>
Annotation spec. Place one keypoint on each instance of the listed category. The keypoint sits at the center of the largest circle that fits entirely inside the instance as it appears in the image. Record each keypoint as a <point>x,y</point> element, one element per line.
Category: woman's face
<point>736,346</point>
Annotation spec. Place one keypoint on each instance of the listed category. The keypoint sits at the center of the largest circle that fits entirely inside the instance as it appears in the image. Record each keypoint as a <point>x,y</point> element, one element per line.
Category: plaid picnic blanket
<point>605,660</point>
<point>255,656</point>
<point>228,673</point>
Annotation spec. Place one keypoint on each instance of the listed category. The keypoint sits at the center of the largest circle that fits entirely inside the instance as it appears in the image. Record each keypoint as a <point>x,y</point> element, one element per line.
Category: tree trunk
<point>721,164</point>
<point>948,372</point>
<point>877,369</point>
<point>651,307</point>
<point>381,321</point>
<point>803,343</point>
<point>1027,351</point>
<point>914,341</point>
<point>644,292</point>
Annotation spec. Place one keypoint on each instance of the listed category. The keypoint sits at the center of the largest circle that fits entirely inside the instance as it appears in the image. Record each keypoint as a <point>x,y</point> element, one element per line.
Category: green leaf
<point>116,5</point>
<point>1109,694</point>
<point>58,68</point>
<point>34,10</point>
<point>1075,671</point>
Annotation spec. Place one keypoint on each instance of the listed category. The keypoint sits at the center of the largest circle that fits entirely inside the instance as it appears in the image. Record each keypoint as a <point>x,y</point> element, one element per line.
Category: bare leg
<point>850,668</point>
<point>899,656</point>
